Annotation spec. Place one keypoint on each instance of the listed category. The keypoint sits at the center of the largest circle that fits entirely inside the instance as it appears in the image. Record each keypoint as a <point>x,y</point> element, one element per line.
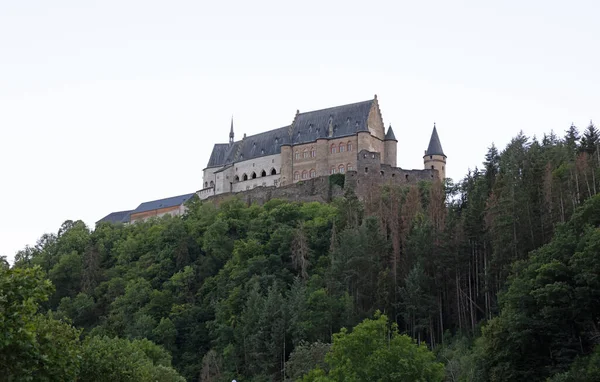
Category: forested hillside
<point>498,275</point>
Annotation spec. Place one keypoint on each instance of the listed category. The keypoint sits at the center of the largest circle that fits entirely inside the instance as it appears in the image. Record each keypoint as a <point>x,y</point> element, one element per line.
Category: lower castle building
<point>316,143</point>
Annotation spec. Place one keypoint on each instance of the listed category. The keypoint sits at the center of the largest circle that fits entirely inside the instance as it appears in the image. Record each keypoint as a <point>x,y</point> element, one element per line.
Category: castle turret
<point>390,147</point>
<point>434,157</point>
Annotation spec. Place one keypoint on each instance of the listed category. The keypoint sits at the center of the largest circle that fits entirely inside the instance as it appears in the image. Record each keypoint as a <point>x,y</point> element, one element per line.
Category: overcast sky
<point>107,104</point>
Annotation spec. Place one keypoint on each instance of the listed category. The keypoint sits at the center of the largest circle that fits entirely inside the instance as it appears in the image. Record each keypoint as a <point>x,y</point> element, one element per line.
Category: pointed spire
<point>435,147</point>
<point>231,132</point>
<point>389,136</point>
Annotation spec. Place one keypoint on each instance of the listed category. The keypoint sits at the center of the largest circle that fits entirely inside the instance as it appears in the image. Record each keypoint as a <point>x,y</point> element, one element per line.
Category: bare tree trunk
<point>458,302</point>
<point>471,301</point>
<point>441,317</point>
<point>485,279</point>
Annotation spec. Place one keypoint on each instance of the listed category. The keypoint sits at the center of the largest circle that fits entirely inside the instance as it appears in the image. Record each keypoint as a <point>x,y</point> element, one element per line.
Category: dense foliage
<point>498,274</point>
<point>36,347</point>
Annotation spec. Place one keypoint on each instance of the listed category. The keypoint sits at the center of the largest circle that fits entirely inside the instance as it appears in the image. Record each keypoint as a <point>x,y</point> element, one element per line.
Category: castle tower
<point>434,157</point>
<point>231,132</point>
<point>390,147</point>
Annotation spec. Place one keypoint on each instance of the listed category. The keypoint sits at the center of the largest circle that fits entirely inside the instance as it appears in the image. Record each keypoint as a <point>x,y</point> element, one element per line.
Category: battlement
<point>369,176</point>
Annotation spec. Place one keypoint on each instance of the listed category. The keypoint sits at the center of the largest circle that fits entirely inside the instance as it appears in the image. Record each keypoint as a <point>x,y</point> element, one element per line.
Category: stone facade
<point>369,175</point>
<point>317,144</point>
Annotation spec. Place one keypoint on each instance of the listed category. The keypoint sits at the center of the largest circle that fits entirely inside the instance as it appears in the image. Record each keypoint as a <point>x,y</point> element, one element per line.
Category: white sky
<point>107,104</point>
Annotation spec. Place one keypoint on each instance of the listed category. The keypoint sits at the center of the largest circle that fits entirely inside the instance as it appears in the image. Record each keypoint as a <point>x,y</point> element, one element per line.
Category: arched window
<point>245,177</point>
<point>296,175</point>
<point>205,184</point>
<point>236,179</point>
<point>297,155</point>
<point>349,146</point>
<point>313,173</point>
<point>263,173</point>
<point>212,184</point>
<point>305,154</point>
<point>313,152</point>
<point>342,147</point>
<point>273,171</point>
<point>382,173</point>
<point>332,170</point>
<point>333,149</point>
<point>253,175</point>
<point>342,169</point>
<point>304,175</point>
<point>349,167</point>
<point>432,167</point>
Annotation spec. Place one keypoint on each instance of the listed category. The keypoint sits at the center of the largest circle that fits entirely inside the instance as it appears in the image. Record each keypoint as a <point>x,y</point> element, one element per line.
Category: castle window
<point>342,169</point>
<point>333,170</point>
<point>406,176</point>
<point>263,173</point>
<point>245,177</point>
<point>297,155</point>
<point>296,175</point>
<point>305,154</point>
<point>349,146</point>
<point>236,179</point>
<point>342,147</point>
<point>212,184</point>
<point>431,157</point>
<point>313,173</point>
<point>333,148</point>
<point>313,152</point>
<point>205,184</point>
<point>349,167</point>
<point>304,175</point>
<point>262,151</point>
<point>366,169</point>
<point>393,175</point>
<point>273,171</point>
<point>382,173</point>
<point>442,168</point>
<point>253,175</point>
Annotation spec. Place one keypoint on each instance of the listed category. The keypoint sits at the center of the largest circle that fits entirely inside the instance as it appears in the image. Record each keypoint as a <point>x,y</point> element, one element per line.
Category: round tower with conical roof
<point>434,157</point>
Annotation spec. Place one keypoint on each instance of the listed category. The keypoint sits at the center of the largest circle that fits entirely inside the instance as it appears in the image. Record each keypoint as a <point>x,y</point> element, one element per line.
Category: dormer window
<point>262,151</point>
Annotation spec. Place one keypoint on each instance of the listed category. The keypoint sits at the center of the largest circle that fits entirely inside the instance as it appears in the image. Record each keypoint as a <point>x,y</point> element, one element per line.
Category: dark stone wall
<point>310,190</point>
<point>368,177</point>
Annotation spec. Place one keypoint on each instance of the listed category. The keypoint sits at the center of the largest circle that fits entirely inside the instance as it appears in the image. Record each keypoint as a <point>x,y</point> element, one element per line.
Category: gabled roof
<point>435,147</point>
<point>262,144</point>
<point>389,136</point>
<point>162,203</point>
<point>307,127</point>
<point>343,121</point>
<point>116,217</point>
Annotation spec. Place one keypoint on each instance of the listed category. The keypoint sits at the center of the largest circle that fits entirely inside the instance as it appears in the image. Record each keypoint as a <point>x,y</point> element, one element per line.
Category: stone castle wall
<point>369,175</point>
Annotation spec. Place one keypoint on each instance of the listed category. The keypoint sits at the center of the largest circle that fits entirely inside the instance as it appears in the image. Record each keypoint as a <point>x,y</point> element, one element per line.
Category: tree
<point>376,351</point>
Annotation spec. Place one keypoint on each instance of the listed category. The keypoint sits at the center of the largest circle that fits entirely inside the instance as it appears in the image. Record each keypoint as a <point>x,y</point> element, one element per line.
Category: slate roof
<point>162,203</point>
<point>435,147</point>
<point>116,217</point>
<point>389,136</point>
<point>262,144</point>
<point>345,120</point>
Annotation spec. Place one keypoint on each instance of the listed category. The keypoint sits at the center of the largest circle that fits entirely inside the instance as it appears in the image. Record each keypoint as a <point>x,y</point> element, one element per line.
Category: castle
<point>316,143</point>
<point>293,162</point>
